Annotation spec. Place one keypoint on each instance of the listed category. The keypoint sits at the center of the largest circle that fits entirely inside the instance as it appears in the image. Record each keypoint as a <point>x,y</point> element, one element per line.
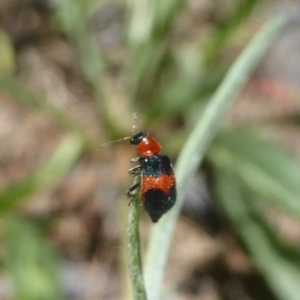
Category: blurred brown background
<point>71,75</point>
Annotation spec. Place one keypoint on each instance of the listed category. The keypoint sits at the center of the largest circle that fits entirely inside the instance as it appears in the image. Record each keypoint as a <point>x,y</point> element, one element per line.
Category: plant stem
<point>133,246</point>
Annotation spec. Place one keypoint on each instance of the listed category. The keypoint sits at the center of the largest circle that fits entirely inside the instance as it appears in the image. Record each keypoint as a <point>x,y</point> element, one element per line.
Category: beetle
<point>158,184</point>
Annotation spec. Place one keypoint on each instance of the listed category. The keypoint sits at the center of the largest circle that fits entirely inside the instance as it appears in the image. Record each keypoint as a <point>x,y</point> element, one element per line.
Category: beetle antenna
<point>115,142</point>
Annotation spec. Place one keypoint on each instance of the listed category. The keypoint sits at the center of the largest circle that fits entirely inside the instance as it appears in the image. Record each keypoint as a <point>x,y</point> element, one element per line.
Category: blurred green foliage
<point>166,80</point>
<point>7,54</point>
<point>62,160</point>
<point>30,260</point>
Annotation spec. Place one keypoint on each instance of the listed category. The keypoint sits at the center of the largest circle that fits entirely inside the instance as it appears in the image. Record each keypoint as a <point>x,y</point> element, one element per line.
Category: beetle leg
<point>135,170</point>
<point>137,159</point>
<point>132,190</point>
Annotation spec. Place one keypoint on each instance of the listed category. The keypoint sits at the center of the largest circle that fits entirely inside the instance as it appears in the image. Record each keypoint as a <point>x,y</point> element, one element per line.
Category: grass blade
<point>133,246</point>
<point>198,142</point>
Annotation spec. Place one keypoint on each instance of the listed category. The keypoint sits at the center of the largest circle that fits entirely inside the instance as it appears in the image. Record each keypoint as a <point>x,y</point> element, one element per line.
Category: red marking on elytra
<point>164,182</point>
